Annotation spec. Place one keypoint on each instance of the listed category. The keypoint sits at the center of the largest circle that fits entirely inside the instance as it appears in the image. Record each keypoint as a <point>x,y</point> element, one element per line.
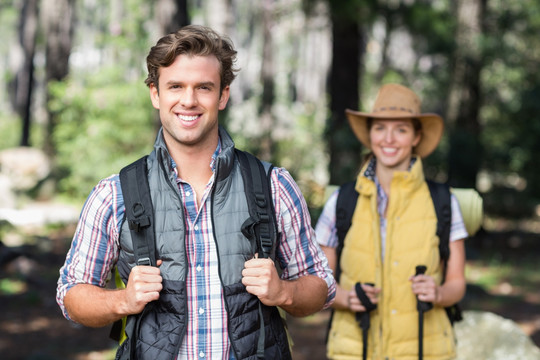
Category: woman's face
<point>392,142</point>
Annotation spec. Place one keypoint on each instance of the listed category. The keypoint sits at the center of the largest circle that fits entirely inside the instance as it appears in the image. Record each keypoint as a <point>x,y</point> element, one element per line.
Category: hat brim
<point>432,128</point>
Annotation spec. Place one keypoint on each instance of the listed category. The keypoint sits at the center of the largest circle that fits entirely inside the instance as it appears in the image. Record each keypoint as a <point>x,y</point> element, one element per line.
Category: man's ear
<point>154,95</point>
<point>224,97</point>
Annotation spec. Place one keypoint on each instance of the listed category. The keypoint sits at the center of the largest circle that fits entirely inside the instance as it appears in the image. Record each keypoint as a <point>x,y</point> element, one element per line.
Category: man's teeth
<point>187,118</point>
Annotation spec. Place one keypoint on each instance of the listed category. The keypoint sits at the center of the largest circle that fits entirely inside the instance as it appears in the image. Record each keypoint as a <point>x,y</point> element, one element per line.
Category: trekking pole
<point>422,307</point>
<point>362,317</point>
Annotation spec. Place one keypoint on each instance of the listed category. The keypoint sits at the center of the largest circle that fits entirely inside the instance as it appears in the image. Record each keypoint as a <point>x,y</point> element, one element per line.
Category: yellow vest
<point>410,240</point>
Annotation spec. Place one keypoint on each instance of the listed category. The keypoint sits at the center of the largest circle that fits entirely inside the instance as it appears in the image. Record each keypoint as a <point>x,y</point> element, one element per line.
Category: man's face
<point>189,100</point>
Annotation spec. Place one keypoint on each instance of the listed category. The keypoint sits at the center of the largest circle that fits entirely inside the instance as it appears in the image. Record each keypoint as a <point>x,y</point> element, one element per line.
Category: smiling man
<point>197,301</point>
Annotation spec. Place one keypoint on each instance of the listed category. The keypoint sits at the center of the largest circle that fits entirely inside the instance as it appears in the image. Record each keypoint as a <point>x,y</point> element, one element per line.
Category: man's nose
<point>188,98</point>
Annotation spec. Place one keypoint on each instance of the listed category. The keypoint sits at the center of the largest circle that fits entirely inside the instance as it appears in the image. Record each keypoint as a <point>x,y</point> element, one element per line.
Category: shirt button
<point>188,193</point>
<point>396,263</point>
<point>201,354</point>
<point>394,311</point>
<point>201,311</point>
<point>196,227</point>
<point>199,267</point>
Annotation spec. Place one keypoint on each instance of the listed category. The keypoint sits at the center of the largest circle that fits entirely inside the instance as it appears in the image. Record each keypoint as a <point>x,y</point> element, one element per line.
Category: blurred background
<point>74,109</point>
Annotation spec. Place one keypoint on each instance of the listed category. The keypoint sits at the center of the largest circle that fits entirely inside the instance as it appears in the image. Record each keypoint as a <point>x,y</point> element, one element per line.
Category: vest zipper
<point>179,198</point>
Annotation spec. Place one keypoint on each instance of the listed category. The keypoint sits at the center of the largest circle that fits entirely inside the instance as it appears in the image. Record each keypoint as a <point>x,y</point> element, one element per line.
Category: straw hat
<point>396,102</point>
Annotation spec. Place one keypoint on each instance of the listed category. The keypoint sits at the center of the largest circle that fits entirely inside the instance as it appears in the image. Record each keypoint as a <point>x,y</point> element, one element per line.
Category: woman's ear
<point>417,138</point>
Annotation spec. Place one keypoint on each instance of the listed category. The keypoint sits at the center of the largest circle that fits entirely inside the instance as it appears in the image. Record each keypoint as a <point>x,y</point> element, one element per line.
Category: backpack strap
<point>140,218</point>
<point>261,224</point>
<point>139,210</point>
<point>345,205</point>
<point>440,194</point>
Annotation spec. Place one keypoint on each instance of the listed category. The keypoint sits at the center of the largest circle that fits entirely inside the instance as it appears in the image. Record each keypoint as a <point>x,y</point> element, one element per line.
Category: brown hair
<point>192,40</point>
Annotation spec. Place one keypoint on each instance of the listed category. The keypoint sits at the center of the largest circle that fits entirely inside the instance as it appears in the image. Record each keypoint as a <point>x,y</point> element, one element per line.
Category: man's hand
<point>262,280</point>
<point>94,306</point>
<point>144,285</point>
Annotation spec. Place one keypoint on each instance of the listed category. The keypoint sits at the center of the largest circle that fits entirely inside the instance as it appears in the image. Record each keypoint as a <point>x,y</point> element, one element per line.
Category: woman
<point>393,230</point>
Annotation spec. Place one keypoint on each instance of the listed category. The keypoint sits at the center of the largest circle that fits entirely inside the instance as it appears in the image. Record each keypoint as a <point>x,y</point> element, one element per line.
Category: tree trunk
<point>347,55</point>
<point>464,96</point>
<point>266,118</point>
<point>58,20</point>
<point>23,83</point>
<point>171,15</point>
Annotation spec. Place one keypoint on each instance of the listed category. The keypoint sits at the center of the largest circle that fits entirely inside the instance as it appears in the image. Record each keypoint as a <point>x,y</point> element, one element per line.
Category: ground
<point>502,273</point>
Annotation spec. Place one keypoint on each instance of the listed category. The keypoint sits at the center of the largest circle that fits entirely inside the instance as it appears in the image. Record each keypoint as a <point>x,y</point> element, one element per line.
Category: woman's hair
<point>192,40</point>
<point>417,126</point>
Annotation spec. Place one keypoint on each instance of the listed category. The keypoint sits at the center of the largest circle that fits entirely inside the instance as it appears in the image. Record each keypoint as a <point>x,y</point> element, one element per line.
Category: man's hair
<point>192,40</point>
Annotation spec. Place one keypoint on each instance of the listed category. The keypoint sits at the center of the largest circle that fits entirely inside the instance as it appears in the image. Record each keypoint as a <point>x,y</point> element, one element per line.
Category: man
<point>210,295</point>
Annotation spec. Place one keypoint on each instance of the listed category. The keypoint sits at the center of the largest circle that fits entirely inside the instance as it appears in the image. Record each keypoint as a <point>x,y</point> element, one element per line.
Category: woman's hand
<point>354,303</point>
<point>425,288</point>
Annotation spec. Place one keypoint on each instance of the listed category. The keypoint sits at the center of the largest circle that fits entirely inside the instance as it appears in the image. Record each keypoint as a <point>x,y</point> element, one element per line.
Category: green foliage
<point>12,286</point>
<point>9,125</point>
<point>105,123</point>
<point>511,108</point>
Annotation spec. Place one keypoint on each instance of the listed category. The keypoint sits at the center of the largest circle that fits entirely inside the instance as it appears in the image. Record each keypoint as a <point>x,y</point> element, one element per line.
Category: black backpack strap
<point>261,225</point>
<point>440,194</point>
<point>139,211</point>
<point>140,218</point>
<point>345,205</point>
<point>363,318</point>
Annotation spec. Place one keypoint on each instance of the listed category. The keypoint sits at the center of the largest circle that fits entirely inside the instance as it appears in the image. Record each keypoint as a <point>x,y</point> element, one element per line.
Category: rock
<point>39,214</point>
<point>487,336</point>
<point>7,198</point>
<point>24,166</point>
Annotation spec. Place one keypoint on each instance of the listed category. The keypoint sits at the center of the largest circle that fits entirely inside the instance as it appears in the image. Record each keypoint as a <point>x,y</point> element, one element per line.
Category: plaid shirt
<point>94,253</point>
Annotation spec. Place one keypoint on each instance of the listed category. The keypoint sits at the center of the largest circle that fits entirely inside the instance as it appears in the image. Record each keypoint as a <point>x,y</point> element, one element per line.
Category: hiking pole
<point>362,317</point>
<point>422,307</point>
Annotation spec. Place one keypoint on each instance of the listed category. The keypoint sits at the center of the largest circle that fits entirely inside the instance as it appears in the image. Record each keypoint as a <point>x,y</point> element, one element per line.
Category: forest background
<point>73,86</point>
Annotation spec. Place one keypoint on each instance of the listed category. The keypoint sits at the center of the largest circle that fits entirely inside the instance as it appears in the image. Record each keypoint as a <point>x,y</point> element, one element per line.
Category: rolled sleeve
<point>94,248</point>
<point>298,252</point>
<point>458,230</point>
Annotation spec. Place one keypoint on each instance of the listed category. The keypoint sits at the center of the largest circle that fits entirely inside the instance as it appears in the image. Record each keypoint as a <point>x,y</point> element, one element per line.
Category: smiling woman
<point>392,231</point>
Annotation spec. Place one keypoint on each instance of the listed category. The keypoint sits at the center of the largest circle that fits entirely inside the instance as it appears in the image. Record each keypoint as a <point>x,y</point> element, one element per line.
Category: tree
<point>23,83</point>
<point>464,97</point>
<point>344,86</point>
<point>58,18</point>
<point>171,15</point>
<point>266,118</point>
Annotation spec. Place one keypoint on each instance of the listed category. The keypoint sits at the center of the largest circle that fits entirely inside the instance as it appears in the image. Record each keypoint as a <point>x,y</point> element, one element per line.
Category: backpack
<point>440,194</point>
<point>260,227</point>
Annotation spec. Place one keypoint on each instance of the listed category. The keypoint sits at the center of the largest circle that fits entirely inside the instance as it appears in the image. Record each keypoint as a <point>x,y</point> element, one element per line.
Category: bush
<point>105,122</point>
